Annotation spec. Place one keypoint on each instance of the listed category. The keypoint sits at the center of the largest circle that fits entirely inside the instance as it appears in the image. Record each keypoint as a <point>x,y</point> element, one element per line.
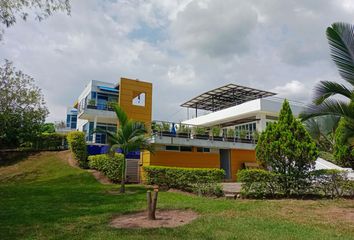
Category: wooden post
<point>151,204</point>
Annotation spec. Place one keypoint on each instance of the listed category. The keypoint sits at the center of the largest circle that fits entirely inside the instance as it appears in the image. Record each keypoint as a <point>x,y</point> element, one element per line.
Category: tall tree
<point>341,40</point>
<point>130,136</point>
<point>22,107</point>
<point>285,147</point>
<point>11,10</point>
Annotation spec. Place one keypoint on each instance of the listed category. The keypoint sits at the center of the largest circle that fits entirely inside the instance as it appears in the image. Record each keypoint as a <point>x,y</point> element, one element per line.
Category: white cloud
<point>192,46</point>
<point>293,90</point>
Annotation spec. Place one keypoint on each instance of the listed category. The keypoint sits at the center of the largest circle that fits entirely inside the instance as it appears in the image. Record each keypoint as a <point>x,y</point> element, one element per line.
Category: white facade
<point>260,111</point>
<point>94,110</point>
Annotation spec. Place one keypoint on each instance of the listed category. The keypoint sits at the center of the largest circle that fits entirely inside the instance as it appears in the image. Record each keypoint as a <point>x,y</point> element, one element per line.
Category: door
<point>225,162</point>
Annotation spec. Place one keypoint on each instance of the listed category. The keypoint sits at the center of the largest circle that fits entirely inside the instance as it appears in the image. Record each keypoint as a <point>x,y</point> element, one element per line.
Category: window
<point>139,100</point>
<point>172,148</point>
<point>200,149</point>
<point>245,130</point>
<point>185,149</point>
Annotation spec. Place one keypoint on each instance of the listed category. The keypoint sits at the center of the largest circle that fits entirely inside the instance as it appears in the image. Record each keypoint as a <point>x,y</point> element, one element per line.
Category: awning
<point>108,89</point>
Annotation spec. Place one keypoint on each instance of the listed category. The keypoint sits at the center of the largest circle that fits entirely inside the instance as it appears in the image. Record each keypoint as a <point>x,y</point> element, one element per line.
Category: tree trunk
<point>122,182</point>
<point>151,204</point>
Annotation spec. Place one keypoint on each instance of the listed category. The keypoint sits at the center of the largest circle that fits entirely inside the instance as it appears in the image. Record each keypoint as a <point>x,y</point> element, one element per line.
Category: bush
<point>51,141</point>
<point>332,183</point>
<point>259,183</point>
<point>110,165</point>
<point>208,189</point>
<point>182,178</point>
<point>77,145</point>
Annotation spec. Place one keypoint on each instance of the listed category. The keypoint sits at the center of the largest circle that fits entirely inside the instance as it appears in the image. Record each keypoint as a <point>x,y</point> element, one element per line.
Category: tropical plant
<point>182,128</point>
<point>130,136</point>
<point>343,152</point>
<point>322,130</point>
<point>200,130</point>
<point>341,40</point>
<point>285,147</point>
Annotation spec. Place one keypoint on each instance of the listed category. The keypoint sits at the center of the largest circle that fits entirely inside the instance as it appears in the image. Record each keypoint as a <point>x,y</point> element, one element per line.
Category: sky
<point>183,47</point>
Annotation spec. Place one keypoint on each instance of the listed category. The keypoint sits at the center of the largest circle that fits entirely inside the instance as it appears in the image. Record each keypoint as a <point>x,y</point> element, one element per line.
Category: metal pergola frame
<point>224,97</point>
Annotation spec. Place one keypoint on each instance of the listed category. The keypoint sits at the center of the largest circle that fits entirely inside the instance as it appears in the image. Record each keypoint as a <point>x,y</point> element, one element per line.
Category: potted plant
<point>91,103</point>
<point>255,135</point>
<point>200,133</point>
<point>230,135</point>
<point>166,130</point>
<point>182,131</point>
<point>216,133</point>
<point>243,135</point>
<point>110,105</point>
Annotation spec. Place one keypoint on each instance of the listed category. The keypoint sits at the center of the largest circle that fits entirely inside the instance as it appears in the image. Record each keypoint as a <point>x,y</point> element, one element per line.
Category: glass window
<point>172,148</point>
<point>185,149</point>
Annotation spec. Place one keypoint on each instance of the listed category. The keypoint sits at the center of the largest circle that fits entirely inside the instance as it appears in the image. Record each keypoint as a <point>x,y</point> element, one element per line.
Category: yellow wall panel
<point>238,157</point>
<point>185,159</point>
<point>128,89</point>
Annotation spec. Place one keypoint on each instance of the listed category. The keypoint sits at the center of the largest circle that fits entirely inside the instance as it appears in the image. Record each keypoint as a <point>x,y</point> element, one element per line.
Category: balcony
<point>98,112</point>
<point>168,133</point>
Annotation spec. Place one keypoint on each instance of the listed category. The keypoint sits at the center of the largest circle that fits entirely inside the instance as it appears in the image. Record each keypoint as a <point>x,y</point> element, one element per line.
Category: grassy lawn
<point>45,198</point>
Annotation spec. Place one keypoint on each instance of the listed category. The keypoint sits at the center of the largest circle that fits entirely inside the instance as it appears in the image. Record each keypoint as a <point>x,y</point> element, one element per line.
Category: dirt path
<point>68,158</point>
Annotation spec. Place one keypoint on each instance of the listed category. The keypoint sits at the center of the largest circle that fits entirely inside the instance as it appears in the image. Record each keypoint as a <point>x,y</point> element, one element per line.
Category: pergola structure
<point>224,97</point>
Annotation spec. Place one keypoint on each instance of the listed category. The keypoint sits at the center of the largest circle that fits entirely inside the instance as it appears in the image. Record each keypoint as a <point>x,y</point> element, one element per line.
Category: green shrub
<point>182,178</point>
<point>259,183</point>
<point>77,145</point>
<point>51,141</point>
<point>208,189</point>
<point>332,183</point>
<point>110,165</point>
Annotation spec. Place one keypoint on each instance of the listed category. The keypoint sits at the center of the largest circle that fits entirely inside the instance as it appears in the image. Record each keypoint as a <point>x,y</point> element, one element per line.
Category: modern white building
<point>95,110</point>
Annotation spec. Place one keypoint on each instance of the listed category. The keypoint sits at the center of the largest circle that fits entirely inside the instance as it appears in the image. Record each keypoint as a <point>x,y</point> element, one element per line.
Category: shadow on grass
<point>69,197</point>
<point>8,158</point>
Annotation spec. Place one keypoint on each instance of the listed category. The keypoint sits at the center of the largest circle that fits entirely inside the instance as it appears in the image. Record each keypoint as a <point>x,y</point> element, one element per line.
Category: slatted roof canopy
<point>226,96</point>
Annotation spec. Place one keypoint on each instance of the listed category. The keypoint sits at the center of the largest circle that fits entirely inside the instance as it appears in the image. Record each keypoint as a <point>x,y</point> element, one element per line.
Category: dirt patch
<point>67,157</point>
<point>324,214</point>
<point>164,218</point>
<point>100,177</point>
<point>337,213</point>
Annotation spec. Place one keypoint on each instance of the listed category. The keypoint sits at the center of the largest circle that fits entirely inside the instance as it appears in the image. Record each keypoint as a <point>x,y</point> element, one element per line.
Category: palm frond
<point>121,115</point>
<point>341,40</point>
<point>329,107</point>
<point>326,89</point>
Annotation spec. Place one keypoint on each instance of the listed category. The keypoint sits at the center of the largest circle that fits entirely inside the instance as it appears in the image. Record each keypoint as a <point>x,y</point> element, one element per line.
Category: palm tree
<point>130,136</point>
<point>322,129</point>
<point>341,40</point>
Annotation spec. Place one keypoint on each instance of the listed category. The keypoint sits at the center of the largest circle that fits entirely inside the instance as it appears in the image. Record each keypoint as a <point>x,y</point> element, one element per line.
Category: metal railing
<point>187,131</point>
<point>105,107</point>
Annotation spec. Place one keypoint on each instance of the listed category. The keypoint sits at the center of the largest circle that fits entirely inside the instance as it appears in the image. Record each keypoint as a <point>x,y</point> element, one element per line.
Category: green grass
<point>44,198</point>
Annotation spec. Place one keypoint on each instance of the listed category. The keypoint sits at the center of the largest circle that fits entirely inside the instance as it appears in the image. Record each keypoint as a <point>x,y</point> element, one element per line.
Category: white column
<point>261,123</point>
<point>94,128</point>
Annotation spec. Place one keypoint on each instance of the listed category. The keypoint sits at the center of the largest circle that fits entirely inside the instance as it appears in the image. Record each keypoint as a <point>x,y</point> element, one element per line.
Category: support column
<point>94,128</point>
<point>261,123</point>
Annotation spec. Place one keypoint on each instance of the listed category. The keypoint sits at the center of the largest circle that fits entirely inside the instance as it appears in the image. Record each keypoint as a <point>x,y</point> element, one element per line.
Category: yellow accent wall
<point>238,157</point>
<point>185,159</point>
<point>128,90</point>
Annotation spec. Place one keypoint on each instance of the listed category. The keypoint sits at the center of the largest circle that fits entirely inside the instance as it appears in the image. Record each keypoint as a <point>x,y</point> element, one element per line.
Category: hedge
<point>259,183</point>
<point>182,178</point>
<point>50,141</point>
<point>110,165</point>
<point>77,145</point>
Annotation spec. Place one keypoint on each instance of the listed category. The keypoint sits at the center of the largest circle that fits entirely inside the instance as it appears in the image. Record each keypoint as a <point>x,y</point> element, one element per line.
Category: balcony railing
<point>105,107</point>
<point>169,129</point>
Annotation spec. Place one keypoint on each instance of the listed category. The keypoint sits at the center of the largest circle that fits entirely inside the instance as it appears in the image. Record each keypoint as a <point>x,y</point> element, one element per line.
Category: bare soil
<point>100,177</point>
<point>164,219</point>
<point>67,157</point>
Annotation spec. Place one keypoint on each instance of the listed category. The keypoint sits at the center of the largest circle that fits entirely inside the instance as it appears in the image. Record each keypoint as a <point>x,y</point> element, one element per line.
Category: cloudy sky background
<point>183,47</point>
